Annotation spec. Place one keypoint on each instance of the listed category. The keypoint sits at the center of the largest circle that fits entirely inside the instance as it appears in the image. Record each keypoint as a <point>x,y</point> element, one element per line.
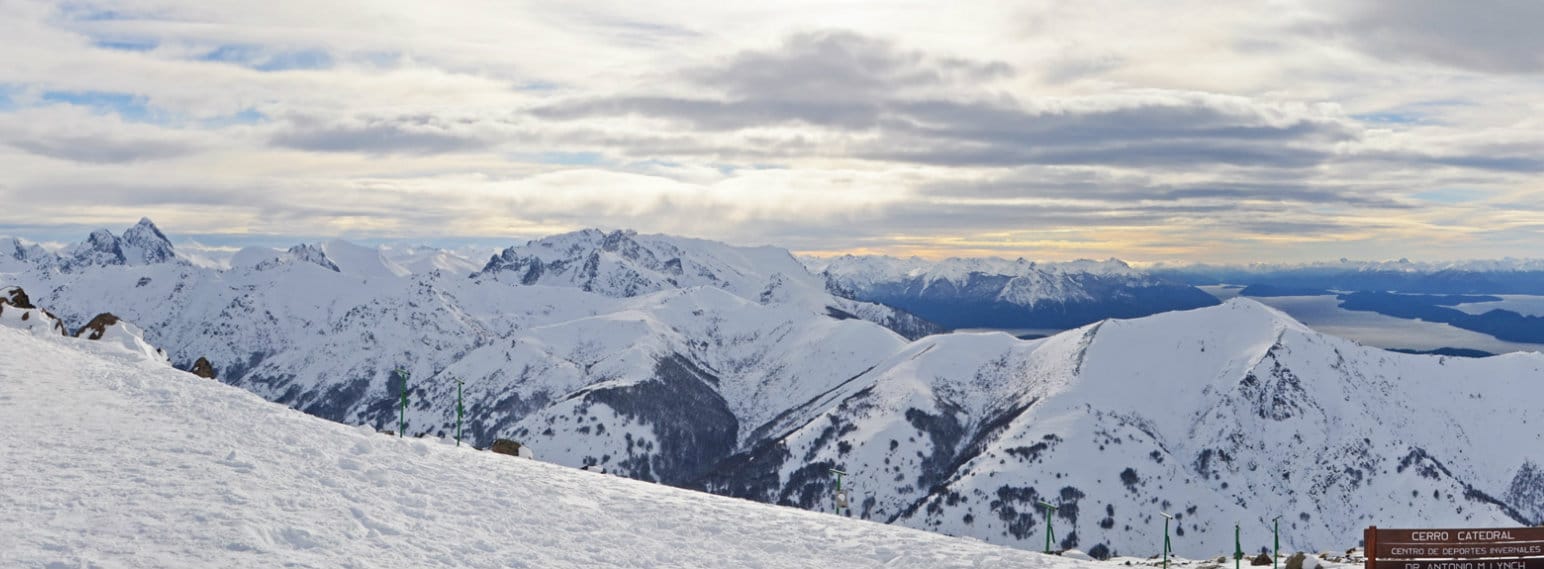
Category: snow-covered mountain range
<point>114,459</point>
<point>999,293</point>
<point>739,371</point>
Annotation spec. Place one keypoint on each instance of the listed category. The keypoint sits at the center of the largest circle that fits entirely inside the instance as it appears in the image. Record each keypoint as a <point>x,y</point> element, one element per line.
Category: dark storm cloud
<point>406,134</point>
<point>1483,35</point>
<point>913,108</point>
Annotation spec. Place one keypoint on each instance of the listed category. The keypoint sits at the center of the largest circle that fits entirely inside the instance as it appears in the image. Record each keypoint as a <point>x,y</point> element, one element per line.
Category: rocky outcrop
<point>203,368</point>
<point>506,446</point>
<point>17,297</point>
<point>94,329</point>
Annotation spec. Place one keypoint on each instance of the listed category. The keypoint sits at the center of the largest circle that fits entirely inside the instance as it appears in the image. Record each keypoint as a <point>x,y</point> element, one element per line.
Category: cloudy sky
<point>1162,130</point>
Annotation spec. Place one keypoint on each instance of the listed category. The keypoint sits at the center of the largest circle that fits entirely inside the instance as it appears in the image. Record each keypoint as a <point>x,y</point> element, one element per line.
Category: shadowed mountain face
<point>738,371</point>
<point>996,293</point>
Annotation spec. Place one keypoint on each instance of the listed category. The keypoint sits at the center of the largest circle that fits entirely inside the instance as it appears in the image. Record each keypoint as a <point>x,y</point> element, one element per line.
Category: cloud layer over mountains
<point>1307,129</point>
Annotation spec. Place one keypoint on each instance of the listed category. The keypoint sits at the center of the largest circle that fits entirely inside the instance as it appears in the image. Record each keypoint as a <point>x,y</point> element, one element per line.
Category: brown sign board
<point>1474,548</point>
<point>1536,563</point>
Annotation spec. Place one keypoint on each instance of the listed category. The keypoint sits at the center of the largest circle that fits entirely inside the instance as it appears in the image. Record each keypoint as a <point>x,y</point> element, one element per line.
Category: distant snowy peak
<point>264,258</point>
<point>625,264</point>
<point>357,260</point>
<point>13,251</point>
<point>424,260</point>
<point>1001,293</point>
<point>142,244</point>
<point>337,256</point>
<point>145,244</point>
<point>861,270</point>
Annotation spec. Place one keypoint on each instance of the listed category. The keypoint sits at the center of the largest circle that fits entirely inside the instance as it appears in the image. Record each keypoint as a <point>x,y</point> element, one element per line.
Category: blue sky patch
<point>7,103</point>
<point>1450,195</point>
<point>1391,118</point>
<point>130,107</point>
<point>245,116</point>
<point>564,158</point>
<point>83,12</point>
<point>255,57</point>
<point>127,45</point>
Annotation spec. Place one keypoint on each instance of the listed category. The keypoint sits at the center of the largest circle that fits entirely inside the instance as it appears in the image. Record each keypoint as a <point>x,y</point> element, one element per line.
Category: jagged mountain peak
<point>17,250</point>
<point>625,263</point>
<point>314,254</point>
<point>141,244</point>
<point>144,243</point>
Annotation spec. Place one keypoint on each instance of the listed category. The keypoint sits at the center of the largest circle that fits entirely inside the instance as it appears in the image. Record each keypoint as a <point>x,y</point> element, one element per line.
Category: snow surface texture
<point>114,459</point>
<point>736,370</point>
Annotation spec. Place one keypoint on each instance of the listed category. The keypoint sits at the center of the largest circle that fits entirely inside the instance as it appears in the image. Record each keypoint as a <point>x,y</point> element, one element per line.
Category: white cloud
<point>1046,129</point>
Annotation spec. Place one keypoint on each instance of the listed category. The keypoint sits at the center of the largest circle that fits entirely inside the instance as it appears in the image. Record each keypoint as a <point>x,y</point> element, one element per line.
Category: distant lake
<point>1323,313</point>
<point>1527,305</point>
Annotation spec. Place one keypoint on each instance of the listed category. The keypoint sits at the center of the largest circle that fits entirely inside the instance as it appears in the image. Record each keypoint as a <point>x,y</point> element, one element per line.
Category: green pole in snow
<point>1276,533</point>
<point>402,407</point>
<point>459,411</point>
<point>1049,533</point>
<point>1238,547</point>
<point>1166,545</point>
<point>839,500</point>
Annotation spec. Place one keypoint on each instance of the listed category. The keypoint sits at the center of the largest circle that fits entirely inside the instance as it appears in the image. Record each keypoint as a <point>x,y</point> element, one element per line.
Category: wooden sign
<point>1488,548</point>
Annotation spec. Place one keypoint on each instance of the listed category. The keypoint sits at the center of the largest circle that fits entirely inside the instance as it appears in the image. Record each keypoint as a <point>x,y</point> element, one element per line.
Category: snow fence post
<point>1049,534</point>
<point>1276,534</point>
<point>459,410</point>
<point>402,408</point>
<point>1166,545</point>
<point>840,500</point>
<point>1238,547</point>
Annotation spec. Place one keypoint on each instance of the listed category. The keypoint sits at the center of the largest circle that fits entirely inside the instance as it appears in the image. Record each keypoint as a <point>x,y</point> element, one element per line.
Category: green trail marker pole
<point>1049,533</point>
<point>1276,533</point>
<point>402,408</point>
<point>459,412</point>
<point>1238,547</point>
<point>1167,546</point>
<point>840,499</point>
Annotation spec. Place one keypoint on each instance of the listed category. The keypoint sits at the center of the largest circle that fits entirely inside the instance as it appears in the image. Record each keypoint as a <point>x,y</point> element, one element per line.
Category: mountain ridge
<point>737,371</point>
